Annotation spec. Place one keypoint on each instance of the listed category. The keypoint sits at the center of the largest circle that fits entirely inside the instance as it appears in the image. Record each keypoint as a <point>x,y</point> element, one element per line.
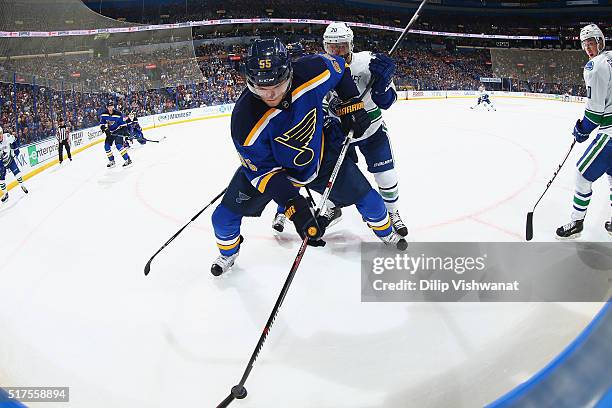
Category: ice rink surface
<point>76,309</point>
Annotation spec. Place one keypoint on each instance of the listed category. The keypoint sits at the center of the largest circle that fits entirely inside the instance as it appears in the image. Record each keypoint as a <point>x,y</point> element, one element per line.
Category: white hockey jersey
<point>6,152</point>
<point>598,81</point>
<point>360,70</point>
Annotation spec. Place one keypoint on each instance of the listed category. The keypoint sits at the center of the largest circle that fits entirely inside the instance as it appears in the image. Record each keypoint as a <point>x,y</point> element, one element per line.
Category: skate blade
<point>570,238</point>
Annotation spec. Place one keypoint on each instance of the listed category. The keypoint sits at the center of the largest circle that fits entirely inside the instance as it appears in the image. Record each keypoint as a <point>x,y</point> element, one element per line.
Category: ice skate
<point>398,224</point>
<point>222,264</point>
<point>333,215</point>
<point>395,239</point>
<point>570,230</point>
<point>279,222</point>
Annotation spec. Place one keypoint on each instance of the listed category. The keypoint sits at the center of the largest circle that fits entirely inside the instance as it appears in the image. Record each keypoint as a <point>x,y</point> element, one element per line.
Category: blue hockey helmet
<point>268,63</point>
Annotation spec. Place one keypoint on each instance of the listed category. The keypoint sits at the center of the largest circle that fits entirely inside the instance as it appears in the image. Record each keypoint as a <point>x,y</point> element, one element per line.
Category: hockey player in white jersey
<point>374,144</point>
<point>597,159</point>
<point>8,151</point>
<point>484,99</point>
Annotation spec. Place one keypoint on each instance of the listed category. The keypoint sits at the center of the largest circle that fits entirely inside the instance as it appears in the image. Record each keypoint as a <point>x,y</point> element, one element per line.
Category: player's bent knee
<point>225,221</point>
<point>582,184</point>
<point>372,207</point>
<point>386,179</point>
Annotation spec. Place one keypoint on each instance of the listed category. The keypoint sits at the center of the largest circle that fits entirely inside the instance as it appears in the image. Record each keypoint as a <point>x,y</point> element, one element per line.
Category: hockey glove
<point>580,133</point>
<point>382,68</point>
<point>353,116</point>
<point>301,213</point>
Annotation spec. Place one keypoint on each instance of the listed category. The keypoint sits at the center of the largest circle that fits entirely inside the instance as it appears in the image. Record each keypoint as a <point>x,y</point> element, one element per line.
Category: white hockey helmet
<point>592,31</point>
<point>338,33</point>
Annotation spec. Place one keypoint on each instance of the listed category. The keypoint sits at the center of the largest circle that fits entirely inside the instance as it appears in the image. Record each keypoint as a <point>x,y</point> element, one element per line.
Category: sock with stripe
<point>582,197</point>
<point>226,224</point>
<point>374,212</point>
<point>387,187</point>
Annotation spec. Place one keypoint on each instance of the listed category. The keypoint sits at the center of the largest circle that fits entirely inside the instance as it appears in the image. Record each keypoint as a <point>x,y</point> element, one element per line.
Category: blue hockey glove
<point>580,133</point>
<point>382,68</point>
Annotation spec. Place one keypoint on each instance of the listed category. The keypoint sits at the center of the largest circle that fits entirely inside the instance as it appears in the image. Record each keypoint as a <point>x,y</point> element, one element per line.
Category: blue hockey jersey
<point>288,143</point>
<point>134,127</point>
<point>112,121</point>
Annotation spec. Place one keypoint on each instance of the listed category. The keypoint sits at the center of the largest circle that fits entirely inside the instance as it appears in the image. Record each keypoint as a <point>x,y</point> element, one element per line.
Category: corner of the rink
<point>6,402</point>
<point>578,377</point>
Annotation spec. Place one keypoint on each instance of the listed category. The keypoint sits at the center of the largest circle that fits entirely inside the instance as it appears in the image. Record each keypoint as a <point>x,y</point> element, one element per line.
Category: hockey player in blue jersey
<point>277,128</point>
<point>134,128</point>
<point>9,149</point>
<point>115,128</point>
<point>295,50</point>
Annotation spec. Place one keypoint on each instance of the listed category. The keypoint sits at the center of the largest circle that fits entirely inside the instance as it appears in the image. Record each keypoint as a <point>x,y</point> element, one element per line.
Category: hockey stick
<point>239,391</point>
<point>147,268</point>
<point>529,228</point>
<point>396,45</point>
<point>149,140</point>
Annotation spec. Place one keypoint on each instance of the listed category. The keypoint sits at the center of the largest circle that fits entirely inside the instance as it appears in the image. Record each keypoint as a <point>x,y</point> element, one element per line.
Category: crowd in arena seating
<point>210,77</point>
<point>196,10</point>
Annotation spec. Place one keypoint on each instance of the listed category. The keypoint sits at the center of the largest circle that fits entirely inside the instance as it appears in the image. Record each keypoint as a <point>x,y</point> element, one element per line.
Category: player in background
<point>277,130</point>
<point>295,50</point>
<point>9,149</point>
<point>115,128</point>
<point>374,144</point>
<point>134,128</point>
<point>483,98</point>
<point>597,159</point>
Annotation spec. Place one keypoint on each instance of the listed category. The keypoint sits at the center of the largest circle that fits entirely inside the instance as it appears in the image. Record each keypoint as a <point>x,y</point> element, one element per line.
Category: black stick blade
<point>148,267</point>
<point>529,228</point>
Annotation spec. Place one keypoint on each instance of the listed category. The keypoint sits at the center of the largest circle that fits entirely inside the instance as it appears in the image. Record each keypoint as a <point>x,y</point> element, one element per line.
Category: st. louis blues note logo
<point>242,197</point>
<point>298,138</point>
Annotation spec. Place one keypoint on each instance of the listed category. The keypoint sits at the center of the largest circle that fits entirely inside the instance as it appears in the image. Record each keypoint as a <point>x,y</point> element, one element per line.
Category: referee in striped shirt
<point>63,135</point>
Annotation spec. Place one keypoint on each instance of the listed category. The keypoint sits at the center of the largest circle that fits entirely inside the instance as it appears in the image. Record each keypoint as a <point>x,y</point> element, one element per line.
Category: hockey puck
<point>239,392</point>
<point>402,245</point>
